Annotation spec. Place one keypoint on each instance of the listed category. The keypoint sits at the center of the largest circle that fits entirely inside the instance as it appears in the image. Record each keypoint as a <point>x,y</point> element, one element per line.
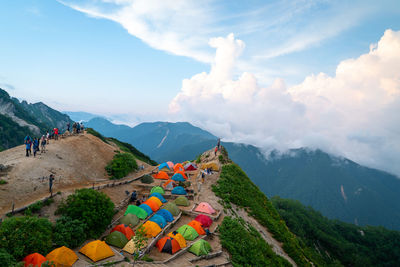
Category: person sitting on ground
<point>138,202</point>
<point>133,196</point>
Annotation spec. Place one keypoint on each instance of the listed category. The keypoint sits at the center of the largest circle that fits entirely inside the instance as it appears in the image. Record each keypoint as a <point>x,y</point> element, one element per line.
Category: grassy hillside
<point>335,242</point>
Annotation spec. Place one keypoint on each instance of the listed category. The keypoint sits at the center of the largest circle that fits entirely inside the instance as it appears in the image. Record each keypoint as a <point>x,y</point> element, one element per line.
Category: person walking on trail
<point>215,151</point>
<point>35,146</point>
<point>43,144</point>
<point>68,124</point>
<point>47,138</point>
<point>28,148</point>
<point>55,133</point>
<point>219,143</point>
<point>51,179</point>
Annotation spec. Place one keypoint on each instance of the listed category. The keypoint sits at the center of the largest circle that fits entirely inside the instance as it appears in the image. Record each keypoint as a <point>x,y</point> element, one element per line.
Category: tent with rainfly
<point>125,230</point>
<point>177,177</point>
<point>170,164</point>
<point>116,239</point>
<point>183,174</point>
<point>34,260</point>
<point>178,237</point>
<point>205,220</point>
<point>157,189</point>
<point>158,219</point>
<point>152,204</point>
<point>197,226</point>
<point>97,250</point>
<point>170,184</point>
<point>205,208</point>
<point>138,211</point>
<point>200,247</point>
<point>62,257</point>
<point>188,232</point>
<point>166,214</point>
<point>190,167</point>
<point>182,201</point>
<point>156,200</point>
<point>159,196</point>
<point>168,244</point>
<point>164,167</point>
<point>147,208</point>
<point>171,207</point>
<point>161,175</point>
<point>178,167</point>
<point>151,229</point>
<point>179,190</point>
<point>130,247</point>
<point>130,219</point>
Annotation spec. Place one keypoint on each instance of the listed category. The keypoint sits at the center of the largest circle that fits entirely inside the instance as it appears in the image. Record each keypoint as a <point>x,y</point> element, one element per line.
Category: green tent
<point>182,201</point>
<point>200,247</point>
<point>116,239</point>
<point>130,219</point>
<point>157,189</point>
<point>147,179</point>
<point>139,212</point>
<point>171,207</point>
<point>188,232</point>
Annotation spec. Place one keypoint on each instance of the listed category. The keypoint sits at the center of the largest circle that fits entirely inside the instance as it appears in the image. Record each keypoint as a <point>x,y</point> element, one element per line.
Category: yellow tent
<point>214,166</point>
<point>62,257</point>
<point>97,250</point>
<point>157,200</point>
<point>151,229</point>
<point>130,247</point>
<point>178,237</point>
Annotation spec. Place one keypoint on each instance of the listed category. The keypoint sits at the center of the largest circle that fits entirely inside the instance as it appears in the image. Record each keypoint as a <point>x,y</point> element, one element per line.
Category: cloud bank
<point>355,114</point>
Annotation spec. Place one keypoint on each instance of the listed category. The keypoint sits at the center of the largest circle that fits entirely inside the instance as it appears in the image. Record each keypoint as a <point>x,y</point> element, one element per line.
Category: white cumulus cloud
<point>355,113</point>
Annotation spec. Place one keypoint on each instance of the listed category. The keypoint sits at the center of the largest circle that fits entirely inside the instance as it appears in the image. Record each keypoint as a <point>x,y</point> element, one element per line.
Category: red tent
<point>205,220</point>
<point>34,259</point>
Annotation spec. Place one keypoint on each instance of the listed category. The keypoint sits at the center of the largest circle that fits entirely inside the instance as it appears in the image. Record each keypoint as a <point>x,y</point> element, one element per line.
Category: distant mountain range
<point>20,118</point>
<point>337,187</point>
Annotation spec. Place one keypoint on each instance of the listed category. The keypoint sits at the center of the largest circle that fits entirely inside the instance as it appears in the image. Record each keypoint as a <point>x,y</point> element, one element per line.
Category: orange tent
<point>161,175</point>
<point>179,167</point>
<point>157,200</point>
<point>197,226</point>
<point>34,260</point>
<point>205,207</point>
<point>152,204</point>
<point>62,257</point>
<point>168,244</point>
<point>127,231</point>
<point>151,229</point>
<point>170,184</point>
<point>178,237</point>
<point>97,250</point>
<point>183,174</point>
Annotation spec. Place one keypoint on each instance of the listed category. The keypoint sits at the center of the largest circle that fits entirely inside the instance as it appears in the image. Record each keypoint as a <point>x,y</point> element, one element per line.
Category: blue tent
<point>178,177</point>
<point>159,196</point>
<point>158,219</point>
<point>163,165</point>
<point>166,214</point>
<point>146,208</point>
<point>179,190</point>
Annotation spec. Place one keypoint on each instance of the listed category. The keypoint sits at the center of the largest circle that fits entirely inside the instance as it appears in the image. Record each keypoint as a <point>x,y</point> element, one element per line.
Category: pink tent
<point>205,208</point>
<point>170,165</point>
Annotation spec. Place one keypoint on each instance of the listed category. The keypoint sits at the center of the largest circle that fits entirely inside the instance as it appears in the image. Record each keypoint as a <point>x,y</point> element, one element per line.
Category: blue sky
<point>247,71</point>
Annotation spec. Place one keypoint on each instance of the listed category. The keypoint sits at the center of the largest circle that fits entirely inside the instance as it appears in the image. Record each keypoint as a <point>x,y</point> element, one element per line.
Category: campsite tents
<point>170,184</point>
<point>62,257</point>
<point>183,174</point>
<point>190,167</point>
<point>157,189</point>
<point>126,230</point>
<point>178,177</point>
<point>96,250</point>
<point>200,247</point>
<point>158,219</point>
<point>138,211</point>
<point>34,260</point>
<point>205,208</point>
<point>147,208</point>
<point>151,229</point>
<point>164,167</point>
<point>212,165</point>
<point>197,226</point>
<point>130,219</point>
<point>188,232</point>
<point>170,164</point>
<point>182,201</point>
<point>178,167</point>
<point>179,190</point>
<point>171,207</point>
<point>178,237</point>
<point>168,244</point>
<point>161,175</point>
<point>116,239</point>
<point>156,200</point>
<point>205,220</point>
<point>159,196</point>
<point>130,247</point>
<point>166,214</point>
<point>152,204</point>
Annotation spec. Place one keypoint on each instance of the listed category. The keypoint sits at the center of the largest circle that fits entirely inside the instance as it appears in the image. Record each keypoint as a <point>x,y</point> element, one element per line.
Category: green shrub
<point>121,165</point>
<point>2,181</point>
<point>93,208</point>
<point>21,236</point>
<point>7,260</point>
<point>126,147</point>
<point>198,160</point>
<point>147,179</point>
<point>68,232</point>
<point>97,134</point>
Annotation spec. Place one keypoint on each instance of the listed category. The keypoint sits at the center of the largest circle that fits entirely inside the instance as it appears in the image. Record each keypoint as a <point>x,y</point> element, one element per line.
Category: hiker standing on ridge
<point>219,143</point>
<point>27,145</point>
<point>35,146</point>
<point>47,137</point>
<point>74,128</point>
<point>78,128</point>
<point>68,124</point>
<point>51,179</point>
<point>55,133</point>
<point>43,144</point>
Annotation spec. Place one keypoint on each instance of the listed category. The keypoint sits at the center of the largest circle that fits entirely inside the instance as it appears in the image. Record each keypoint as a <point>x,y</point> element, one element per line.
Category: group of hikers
<point>39,143</point>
